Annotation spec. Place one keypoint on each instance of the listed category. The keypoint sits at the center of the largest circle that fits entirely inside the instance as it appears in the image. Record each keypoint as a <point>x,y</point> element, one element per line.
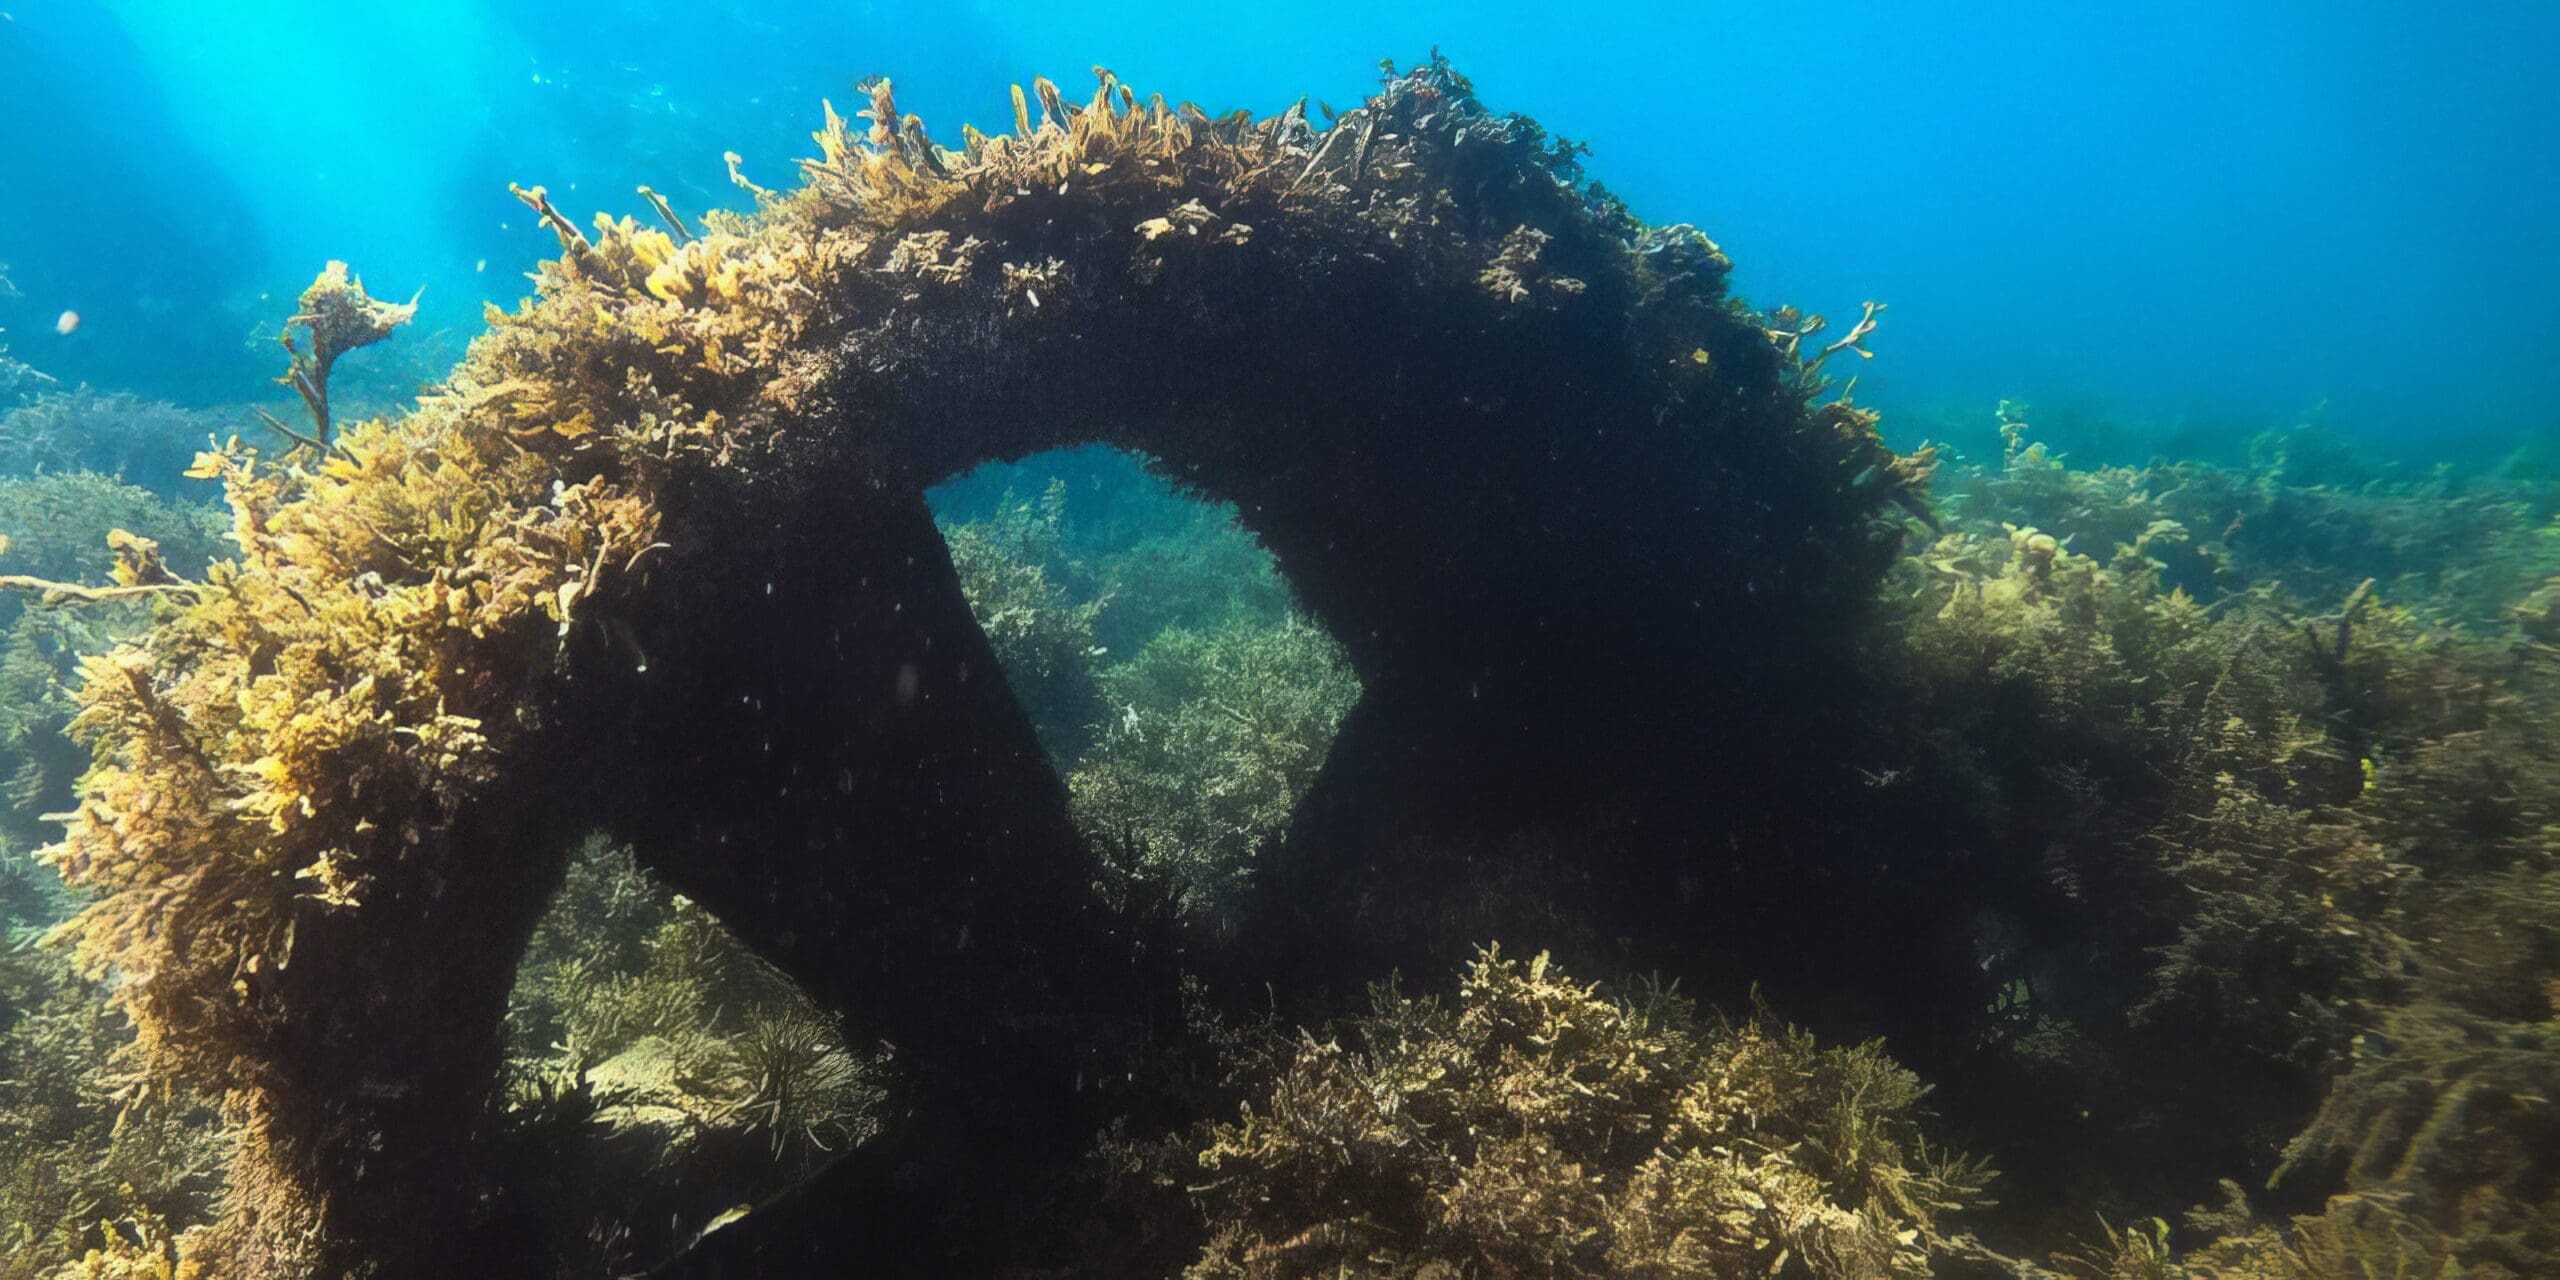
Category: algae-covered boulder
<point>654,559</point>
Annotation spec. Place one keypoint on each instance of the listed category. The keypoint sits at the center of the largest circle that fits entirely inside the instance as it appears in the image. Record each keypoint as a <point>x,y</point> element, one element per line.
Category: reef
<point>654,560</point>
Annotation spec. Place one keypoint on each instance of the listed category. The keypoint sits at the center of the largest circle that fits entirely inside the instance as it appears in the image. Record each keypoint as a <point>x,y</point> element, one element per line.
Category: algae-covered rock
<point>654,558</point>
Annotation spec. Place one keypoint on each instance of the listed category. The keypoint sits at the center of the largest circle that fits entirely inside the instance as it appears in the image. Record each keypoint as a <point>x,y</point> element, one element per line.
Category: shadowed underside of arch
<point>656,559</point>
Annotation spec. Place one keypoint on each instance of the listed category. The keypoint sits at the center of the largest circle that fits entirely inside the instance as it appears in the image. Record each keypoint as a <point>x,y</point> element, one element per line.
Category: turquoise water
<point>2190,213</point>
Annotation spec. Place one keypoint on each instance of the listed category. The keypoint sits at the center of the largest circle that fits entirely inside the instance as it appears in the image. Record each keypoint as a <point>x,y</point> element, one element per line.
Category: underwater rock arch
<point>656,559</point>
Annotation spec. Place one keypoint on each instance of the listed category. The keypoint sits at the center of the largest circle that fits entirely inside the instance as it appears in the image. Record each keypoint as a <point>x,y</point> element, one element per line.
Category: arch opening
<point>1183,696</point>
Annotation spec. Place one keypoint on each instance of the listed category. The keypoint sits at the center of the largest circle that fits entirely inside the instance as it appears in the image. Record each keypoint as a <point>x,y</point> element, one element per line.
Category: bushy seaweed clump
<point>1212,740</point>
<point>1187,741</point>
<point>17,379</point>
<point>1538,1126</point>
<point>66,527</point>
<point>95,1159</point>
<point>115,435</point>
<point>2307,838</point>
<point>1038,611</point>
<point>100,1166</point>
<point>2307,517</point>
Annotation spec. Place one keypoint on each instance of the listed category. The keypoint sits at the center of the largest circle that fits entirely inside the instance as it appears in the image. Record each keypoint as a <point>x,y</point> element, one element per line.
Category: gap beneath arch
<point>659,1073</point>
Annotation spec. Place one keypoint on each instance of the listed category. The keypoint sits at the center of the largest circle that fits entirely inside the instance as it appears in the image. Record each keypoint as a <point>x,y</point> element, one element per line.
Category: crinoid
<point>656,560</point>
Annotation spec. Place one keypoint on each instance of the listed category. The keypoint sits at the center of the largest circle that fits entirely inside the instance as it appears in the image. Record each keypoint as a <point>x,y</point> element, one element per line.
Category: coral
<point>1536,1126</point>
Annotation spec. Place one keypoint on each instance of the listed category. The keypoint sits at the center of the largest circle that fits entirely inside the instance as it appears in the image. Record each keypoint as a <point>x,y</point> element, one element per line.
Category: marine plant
<point>17,379</point>
<point>2214,808</point>
<point>659,1073</point>
<point>58,527</point>
<point>2306,515</point>
<point>1044,638</point>
<point>2308,840</point>
<point>336,316</point>
<point>1211,741</point>
<point>93,1156</point>
<point>1539,1126</point>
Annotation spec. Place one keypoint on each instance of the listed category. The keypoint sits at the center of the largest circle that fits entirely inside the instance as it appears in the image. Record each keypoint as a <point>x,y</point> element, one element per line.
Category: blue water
<point>2182,215</point>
